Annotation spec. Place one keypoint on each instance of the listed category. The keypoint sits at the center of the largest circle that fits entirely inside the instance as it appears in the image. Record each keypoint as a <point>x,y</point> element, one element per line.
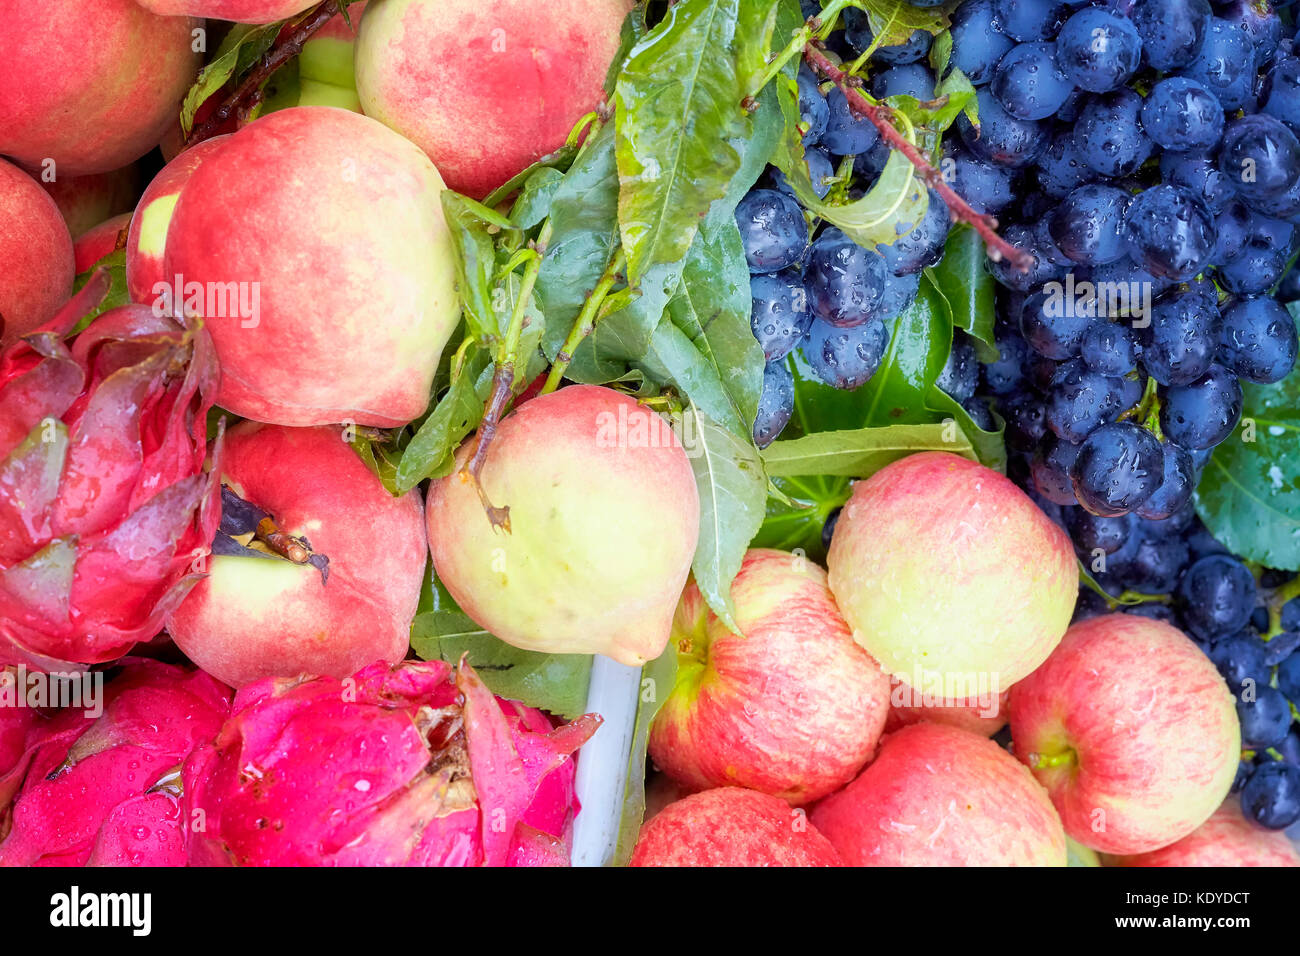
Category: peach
<point>1226,839</point>
<point>485,87</point>
<point>604,517</point>
<point>263,616</point>
<point>147,237</point>
<point>731,826</point>
<point>239,11</point>
<point>950,576</point>
<point>87,201</point>
<point>327,73</point>
<point>1132,731</point>
<point>96,243</point>
<point>941,796</point>
<point>90,85</point>
<point>36,252</point>
<point>327,227</point>
<point>793,708</point>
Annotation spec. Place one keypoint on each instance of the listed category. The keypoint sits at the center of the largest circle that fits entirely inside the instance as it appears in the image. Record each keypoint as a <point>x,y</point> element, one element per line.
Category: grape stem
<point>986,225</point>
<point>586,322</point>
<point>249,92</point>
<point>1275,601</point>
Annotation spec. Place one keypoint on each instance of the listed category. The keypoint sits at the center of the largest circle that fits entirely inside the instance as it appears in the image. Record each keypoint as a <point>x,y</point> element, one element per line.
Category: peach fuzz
<point>36,250</point>
<point>485,87</point>
<point>792,708</point>
<point>332,225</point>
<point>147,239</point>
<point>731,826</point>
<point>238,11</point>
<point>950,576</point>
<point>1226,839</point>
<point>604,516</point>
<point>255,617</point>
<point>90,84</point>
<point>87,201</point>
<point>1132,731</point>
<point>940,796</point>
<point>96,243</point>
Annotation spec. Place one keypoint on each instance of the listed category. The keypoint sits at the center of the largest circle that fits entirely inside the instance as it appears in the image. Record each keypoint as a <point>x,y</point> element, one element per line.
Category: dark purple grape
<point>845,282</point>
<point>772,229</point>
<point>1118,467</point>
<point>1176,488</point>
<point>1098,50</point>
<point>1170,232</point>
<point>779,314</point>
<point>1258,340</point>
<point>1204,412</point>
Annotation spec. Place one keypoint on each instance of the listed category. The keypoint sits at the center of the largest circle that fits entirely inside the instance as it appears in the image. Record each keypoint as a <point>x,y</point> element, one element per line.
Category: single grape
<point>814,113</point>
<point>1041,270</point>
<point>1000,137</point>
<point>985,186</point>
<point>1258,340</point>
<point>1264,720</point>
<point>1026,421</point>
<point>1109,348</point>
<point>1028,82</point>
<point>1088,225</point>
<point>1171,30</point>
<point>1154,610</point>
<point>1204,412</point>
<point>845,358</point>
<point>1050,470</point>
<point>868,165</point>
<point>911,79</point>
<point>1233,228</point>
<point>1216,597</point>
<point>1175,490</point>
<point>857,30</point>
<point>779,315</point>
<point>1271,797</point>
<point>960,374</point>
<point>1288,677</point>
<point>1092,533</point>
<point>772,229</point>
<point>821,171</point>
<point>1253,270</point>
<point>1118,467</point>
<point>1052,325</point>
<point>1098,50</point>
<point>1025,20</point>
<point>846,134</point>
<point>1259,22</point>
<point>1155,563</point>
<point>1061,168</point>
<point>1179,344</point>
<point>1047,245</point>
<point>1170,232</point>
<point>923,246</point>
<point>1225,64</point>
<point>1260,156</point>
<point>1109,133</point>
<point>1181,114</point>
<point>1200,176</point>
<point>900,293</point>
<point>775,403</point>
<point>1279,95</point>
<point>977,43</point>
<point>845,283</point>
<point>979,413</point>
<point>1080,401</point>
<point>1004,375</point>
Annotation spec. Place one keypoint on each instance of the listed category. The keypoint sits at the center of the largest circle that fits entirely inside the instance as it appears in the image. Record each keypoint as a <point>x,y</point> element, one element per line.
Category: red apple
<point>255,617</point>
<point>980,715</point>
<point>731,826</point>
<point>793,708</point>
<point>1132,731</point>
<point>1226,839</point>
<point>950,576</point>
<point>940,796</point>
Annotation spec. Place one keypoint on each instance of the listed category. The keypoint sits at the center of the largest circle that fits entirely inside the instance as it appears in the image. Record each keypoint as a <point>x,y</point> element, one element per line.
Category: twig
<point>997,247</point>
<point>249,92</point>
<point>586,321</point>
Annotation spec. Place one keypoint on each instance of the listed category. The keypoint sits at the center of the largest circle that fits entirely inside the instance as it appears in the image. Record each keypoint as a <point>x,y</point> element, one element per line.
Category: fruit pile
<point>434,433</point>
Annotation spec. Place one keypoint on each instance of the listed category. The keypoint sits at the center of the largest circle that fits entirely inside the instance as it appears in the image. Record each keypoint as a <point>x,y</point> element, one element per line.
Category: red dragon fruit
<point>104,790</point>
<point>105,510</point>
<point>395,766</point>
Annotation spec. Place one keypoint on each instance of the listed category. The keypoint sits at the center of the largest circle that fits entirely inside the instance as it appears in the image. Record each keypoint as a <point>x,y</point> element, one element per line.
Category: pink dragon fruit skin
<point>105,509</point>
<point>398,765</point>
<point>91,787</point>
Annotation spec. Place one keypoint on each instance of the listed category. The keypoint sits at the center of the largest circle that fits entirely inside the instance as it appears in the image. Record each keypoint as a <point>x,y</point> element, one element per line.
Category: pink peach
<point>36,257</point>
<point>98,242</point>
<point>87,201</point>
<point>239,11</point>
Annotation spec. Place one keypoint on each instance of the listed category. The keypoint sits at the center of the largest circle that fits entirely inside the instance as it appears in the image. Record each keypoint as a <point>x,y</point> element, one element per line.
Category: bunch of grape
<point>1151,149</point>
<point>813,287</point>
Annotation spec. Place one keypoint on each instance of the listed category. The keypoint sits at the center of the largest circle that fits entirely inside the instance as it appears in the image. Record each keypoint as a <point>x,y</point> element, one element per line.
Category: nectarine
<point>36,257</point>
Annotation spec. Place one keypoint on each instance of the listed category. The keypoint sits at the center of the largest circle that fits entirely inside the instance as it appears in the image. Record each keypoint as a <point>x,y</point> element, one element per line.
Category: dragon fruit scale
<point>105,509</point>
<point>398,765</point>
<point>104,790</point>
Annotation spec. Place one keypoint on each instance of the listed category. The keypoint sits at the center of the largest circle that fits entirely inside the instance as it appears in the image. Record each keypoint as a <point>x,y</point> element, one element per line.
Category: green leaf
<point>677,107</point>
<point>798,522</point>
<point>1249,495</point>
<point>534,202</point>
<point>117,295</point>
<point>894,21</point>
<point>733,495</point>
<point>862,452</point>
<point>430,453</point>
<point>474,252</point>
<point>657,677</point>
<point>953,96</point>
<point>240,49</point>
<point>961,278</point>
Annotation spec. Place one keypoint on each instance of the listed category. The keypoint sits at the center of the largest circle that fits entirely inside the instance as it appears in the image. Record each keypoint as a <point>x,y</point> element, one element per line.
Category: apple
<point>731,826</point>
<point>980,715</point>
<point>258,616</point>
<point>87,201</point>
<point>327,228</point>
<point>1226,839</point>
<point>1132,731</point>
<point>90,85</point>
<point>604,516</point>
<point>37,254</point>
<point>485,87</point>
<point>950,576</point>
<point>792,708</point>
<point>94,244</point>
<point>940,796</point>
